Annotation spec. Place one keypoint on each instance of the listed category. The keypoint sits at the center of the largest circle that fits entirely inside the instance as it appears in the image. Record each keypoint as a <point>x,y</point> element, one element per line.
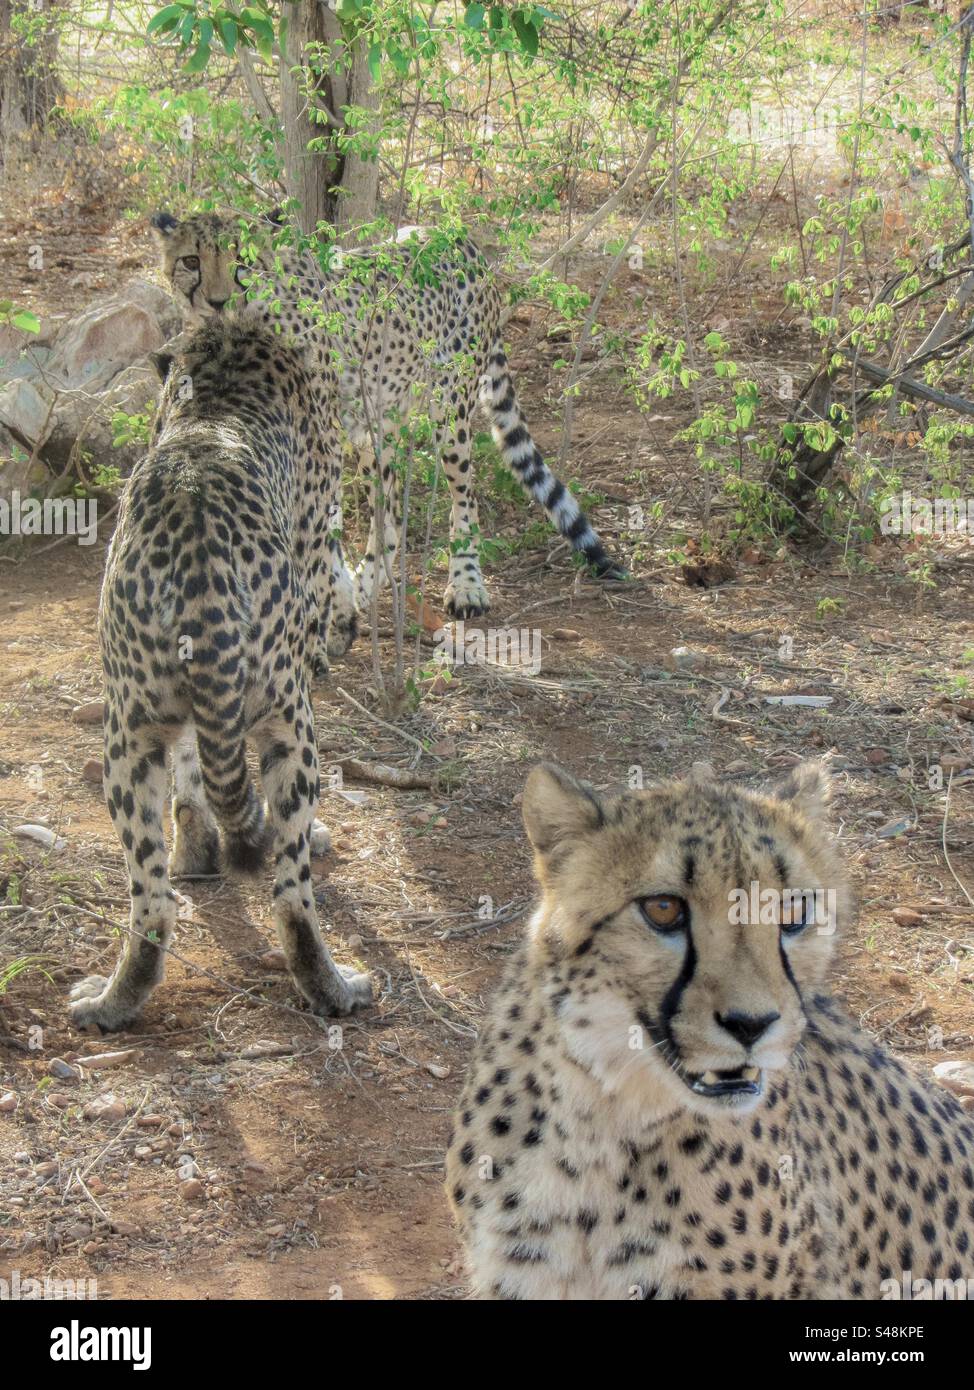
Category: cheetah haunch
<point>664,1102</point>
<point>219,574</point>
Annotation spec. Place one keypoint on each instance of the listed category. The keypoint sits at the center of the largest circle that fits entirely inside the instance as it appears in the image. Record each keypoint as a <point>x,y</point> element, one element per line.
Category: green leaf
<point>375,60</point>
<point>206,32</point>
<point>526,32</point>
<point>26,321</point>
<point>188,28</point>
<point>199,59</point>
<point>398,58</point>
<point>474,17</point>
<point>228,33</point>
<point>165,19</point>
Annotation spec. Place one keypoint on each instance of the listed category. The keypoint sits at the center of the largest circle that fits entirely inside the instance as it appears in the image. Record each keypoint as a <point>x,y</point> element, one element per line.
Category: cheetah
<point>217,577</point>
<point>665,1102</point>
<point>412,319</point>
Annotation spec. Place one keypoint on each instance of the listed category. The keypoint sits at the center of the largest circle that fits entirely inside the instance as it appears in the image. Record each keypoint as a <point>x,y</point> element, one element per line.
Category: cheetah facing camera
<point>419,319</point>
<point>220,569</point>
<point>665,1102</point>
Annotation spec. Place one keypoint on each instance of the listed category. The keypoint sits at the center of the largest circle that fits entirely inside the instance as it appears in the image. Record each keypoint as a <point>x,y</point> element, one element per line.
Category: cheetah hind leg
<point>114,1003</point>
<point>289,771</point>
<point>196,837</point>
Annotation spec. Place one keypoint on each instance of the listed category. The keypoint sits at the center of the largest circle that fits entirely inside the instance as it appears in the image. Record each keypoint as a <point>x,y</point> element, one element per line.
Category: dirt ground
<point>244,1150</point>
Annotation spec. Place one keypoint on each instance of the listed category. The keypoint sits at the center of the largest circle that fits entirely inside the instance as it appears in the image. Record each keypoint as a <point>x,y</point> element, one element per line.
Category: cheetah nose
<point>746,1028</point>
<point>216,303</point>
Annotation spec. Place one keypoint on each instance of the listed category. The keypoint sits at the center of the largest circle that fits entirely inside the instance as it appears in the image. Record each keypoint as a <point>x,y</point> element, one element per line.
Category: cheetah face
<point>199,261</point>
<point>682,929</point>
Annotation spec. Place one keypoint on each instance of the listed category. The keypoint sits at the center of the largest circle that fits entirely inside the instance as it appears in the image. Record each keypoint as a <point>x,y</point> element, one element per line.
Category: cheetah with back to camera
<point>414,322</point>
<point>219,571</point>
<point>665,1102</point>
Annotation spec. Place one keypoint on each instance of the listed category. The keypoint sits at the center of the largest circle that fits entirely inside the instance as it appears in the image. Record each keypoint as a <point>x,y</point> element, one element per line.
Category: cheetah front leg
<point>376,567</point>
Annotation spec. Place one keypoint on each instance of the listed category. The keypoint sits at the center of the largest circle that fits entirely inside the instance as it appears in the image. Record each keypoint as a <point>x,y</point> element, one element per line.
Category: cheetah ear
<point>163,224</point>
<point>809,787</point>
<point>557,807</point>
<point>162,361</point>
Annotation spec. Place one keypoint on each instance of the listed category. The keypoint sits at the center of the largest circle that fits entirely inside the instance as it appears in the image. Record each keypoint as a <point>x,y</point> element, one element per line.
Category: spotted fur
<point>218,576</point>
<point>585,1164</point>
<point>416,326</point>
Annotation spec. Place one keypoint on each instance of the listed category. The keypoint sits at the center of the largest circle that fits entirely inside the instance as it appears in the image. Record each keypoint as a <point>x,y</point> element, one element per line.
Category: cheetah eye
<point>664,913</point>
<point>191,262</point>
<point>795,914</point>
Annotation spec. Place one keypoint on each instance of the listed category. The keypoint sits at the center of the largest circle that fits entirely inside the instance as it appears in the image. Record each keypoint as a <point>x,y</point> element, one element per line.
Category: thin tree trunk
<point>29,84</point>
<point>317,85</point>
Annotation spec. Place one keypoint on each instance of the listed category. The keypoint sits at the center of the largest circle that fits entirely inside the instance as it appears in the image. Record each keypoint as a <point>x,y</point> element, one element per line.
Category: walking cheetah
<point>219,568</point>
<point>413,321</point>
<point>665,1102</point>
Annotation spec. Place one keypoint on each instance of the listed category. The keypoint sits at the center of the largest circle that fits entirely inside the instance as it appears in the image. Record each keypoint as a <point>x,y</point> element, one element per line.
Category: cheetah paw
<point>466,597</point>
<point>91,1002</point>
<point>359,987</point>
<point>320,839</point>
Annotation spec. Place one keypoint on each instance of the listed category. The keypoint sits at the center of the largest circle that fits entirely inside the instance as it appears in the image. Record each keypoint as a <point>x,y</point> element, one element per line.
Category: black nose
<point>216,303</point>
<point>746,1028</point>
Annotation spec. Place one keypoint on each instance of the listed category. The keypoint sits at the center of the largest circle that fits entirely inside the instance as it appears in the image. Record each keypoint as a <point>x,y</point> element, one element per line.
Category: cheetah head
<point>199,261</point>
<point>681,930</point>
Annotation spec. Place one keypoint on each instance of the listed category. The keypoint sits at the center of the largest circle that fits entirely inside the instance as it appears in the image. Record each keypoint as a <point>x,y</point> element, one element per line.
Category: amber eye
<point>191,262</point>
<point>664,912</point>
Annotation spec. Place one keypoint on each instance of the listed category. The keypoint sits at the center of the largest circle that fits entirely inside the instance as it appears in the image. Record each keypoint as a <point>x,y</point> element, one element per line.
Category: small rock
<point>91,713</point>
<point>566,634</point>
<point>272,960</point>
<point>737,766</point>
<point>906,917</point>
<point>438,1070</point>
<point>956,1076</point>
<point>106,1107</point>
<point>150,1121</point>
<point>684,659</point>
<point>64,1071</point>
<point>93,771</point>
<point>899,979</point>
<point>8,1103</point>
<point>41,835</point>
<point>876,756</point>
<point>191,1190</point>
<point>354,941</point>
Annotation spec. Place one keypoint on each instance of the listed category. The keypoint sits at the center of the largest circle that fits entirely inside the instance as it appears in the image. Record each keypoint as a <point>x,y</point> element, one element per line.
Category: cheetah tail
<point>523,457</point>
<point>238,809</point>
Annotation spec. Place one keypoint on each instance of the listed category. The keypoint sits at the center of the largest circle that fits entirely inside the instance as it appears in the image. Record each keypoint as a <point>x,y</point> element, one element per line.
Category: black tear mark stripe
<point>671,1000</point>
